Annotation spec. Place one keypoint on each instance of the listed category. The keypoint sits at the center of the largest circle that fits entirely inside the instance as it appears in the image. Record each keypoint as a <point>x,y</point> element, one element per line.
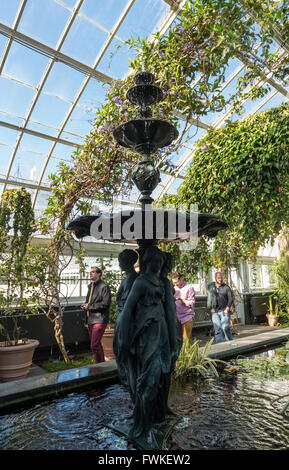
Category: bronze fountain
<point>148,336</point>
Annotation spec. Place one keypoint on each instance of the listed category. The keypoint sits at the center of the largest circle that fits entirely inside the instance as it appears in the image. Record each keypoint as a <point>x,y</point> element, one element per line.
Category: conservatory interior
<point>67,71</point>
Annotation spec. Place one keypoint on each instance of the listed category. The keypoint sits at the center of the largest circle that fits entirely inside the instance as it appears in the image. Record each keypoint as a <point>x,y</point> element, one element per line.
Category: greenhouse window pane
<point>115,61</point>
<point>164,179</point>
<point>143,18</point>
<point>64,88</point>
<point>250,106</point>
<point>50,110</point>
<point>27,165</point>
<point>35,144</point>
<point>80,122</point>
<point>174,187</point>
<point>84,41</point>
<point>130,195</point>
<point>38,127</point>
<point>15,98</point>
<point>274,102</point>
<point>8,136</point>
<point>62,151</point>
<point>69,3</point>
<point>5,156</point>
<point>41,202</point>
<point>25,65</point>
<point>11,119</point>
<point>104,13</point>
<point>71,137</point>
<point>44,20</point>
<point>8,11</point>
<point>52,167</point>
<point>3,42</point>
<point>93,95</point>
<point>185,169</point>
<point>192,135</point>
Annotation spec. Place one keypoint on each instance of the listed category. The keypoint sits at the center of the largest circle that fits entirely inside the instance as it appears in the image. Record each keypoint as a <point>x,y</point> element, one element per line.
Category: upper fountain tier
<point>145,135</point>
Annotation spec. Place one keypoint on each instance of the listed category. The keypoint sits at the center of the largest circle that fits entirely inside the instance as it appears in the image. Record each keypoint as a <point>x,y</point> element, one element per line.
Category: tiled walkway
<point>40,384</point>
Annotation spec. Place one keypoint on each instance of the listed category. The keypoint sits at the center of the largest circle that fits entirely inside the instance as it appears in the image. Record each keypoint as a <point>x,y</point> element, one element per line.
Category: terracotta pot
<point>107,344</point>
<point>272,319</point>
<point>15,361</point>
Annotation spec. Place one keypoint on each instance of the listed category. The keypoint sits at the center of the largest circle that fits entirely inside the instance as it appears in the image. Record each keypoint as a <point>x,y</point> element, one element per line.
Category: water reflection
<point>232,412</point>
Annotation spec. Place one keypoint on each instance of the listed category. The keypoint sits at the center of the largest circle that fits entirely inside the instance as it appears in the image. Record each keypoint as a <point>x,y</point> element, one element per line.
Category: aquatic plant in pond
<point>192,360</point>
<point>272,366</point>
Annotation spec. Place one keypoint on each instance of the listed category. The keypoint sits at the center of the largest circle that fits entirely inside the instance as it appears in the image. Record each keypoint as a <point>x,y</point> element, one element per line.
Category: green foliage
<point>113,279</point>
<point>281,272</point>
<point>22,266</point>
<point>52,365</point>
<point>193,360</point>
<point>264,367</point>
<point>241,173</point>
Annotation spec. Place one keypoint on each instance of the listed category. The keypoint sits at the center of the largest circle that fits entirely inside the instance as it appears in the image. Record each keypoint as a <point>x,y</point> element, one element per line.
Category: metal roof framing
<point>55,55</point>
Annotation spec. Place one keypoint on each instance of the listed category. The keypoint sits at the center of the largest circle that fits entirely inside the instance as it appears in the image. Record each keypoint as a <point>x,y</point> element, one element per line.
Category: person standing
<point>185,298</point>
<point>219,301</point>
<point>98,301</point>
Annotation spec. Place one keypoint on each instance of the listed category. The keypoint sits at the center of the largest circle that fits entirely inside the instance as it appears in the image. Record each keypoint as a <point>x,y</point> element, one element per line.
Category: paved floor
<point>39,384</point>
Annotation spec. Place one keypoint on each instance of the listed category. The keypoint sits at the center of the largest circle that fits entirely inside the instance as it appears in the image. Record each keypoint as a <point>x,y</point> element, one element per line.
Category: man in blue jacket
<point>219,301</point>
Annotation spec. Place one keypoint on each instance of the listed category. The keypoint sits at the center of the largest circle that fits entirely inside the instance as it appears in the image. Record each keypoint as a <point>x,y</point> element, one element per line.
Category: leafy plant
<point>281,272</point>
<point>193,360</point>
<point>22,266</point>
<point>241,173</point>
<point>52,365</point>
<point>273,307</point>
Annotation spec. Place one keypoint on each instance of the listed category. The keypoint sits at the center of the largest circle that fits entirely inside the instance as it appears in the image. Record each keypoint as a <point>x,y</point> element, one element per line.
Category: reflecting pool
<point>234,411</point>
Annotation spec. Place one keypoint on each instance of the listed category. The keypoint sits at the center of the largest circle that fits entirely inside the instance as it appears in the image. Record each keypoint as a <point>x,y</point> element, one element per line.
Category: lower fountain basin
<point>151,224</point>
<point>145,136</point>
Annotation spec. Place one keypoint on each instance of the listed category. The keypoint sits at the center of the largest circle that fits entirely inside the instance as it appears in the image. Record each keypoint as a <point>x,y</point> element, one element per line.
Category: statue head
<point>127,259</point>
<point>168,264</point>
<point>153,259</point>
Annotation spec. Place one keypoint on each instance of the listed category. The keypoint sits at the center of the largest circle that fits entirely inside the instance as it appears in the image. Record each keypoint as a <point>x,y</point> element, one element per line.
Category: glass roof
<point>47,106</point>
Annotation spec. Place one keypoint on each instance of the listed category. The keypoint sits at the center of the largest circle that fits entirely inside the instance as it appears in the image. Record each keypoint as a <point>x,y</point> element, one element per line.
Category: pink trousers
<point>95,333</point>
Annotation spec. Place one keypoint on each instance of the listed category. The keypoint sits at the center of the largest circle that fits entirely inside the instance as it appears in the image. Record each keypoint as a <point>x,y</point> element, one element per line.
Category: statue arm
<point>127,314</point>
<point>171,316</point>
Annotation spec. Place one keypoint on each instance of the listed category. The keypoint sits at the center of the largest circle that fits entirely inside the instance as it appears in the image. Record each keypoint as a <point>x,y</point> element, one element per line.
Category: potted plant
<point>21,267</point>
<point>273,313</point>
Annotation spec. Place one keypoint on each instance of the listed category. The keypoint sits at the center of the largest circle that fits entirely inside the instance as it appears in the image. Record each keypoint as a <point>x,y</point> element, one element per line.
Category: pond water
<point>234,411</point>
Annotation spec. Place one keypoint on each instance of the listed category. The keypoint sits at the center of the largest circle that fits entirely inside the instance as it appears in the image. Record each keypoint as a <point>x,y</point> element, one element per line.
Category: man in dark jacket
<point>219,301</point>
<point>97,306</point>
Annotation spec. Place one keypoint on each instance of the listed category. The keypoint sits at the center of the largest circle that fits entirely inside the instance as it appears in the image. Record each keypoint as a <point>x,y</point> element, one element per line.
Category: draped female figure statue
<point>127,259</point>
<point>147,344</point>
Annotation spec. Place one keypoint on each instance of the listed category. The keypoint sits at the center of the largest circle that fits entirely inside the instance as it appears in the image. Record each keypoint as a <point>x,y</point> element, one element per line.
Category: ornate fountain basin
<point>145,136</point>
<point>158,225</point>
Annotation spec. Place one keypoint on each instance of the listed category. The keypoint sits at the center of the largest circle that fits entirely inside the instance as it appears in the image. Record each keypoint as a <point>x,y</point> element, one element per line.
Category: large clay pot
<point>272,319</point>
<point>15,361</point>
<point>107,344</point>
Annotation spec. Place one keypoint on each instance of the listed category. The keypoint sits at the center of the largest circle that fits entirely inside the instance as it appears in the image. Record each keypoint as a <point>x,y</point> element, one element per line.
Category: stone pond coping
<point>41,385</point>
